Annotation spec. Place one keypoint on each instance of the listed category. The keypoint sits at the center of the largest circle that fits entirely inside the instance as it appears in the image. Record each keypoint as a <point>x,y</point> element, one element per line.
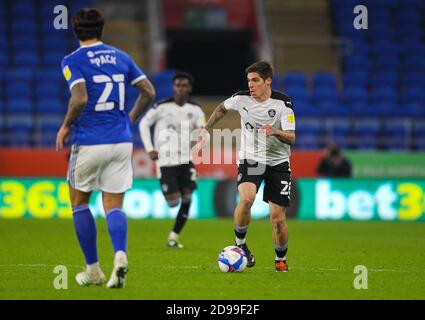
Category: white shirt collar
<point>98,43</point>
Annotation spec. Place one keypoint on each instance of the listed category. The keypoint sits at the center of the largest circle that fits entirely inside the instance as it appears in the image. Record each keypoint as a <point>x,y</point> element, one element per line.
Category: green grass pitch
<point>321,257</point>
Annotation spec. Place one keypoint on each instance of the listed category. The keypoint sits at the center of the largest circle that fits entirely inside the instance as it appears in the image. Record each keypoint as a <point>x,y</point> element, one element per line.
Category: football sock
<point>117,227</point>
<point>240,232</point>
<point>182,215</point>
<point>281,251</point>
<point>85,228</point>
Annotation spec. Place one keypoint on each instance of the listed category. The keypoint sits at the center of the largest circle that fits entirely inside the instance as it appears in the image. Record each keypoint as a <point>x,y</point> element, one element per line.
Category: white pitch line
<point>42,265</point>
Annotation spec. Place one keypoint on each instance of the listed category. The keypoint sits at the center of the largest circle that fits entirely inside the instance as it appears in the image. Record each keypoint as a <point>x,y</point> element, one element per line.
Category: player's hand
<point>62,137</point>
<point>267,130</point>
<point>153,155</point>
<point>203,137</point>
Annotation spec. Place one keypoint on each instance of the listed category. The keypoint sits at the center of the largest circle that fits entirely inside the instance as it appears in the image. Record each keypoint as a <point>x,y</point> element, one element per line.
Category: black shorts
<point>177,178</point>
<point>277,188</point>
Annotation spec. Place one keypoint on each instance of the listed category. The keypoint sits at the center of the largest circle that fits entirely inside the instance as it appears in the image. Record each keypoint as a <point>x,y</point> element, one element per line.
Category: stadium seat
<point>397,135</point>
<point>355,95</point>
<point>384,95</point>
<point>385,78</point>
<point>20,75</point>
<point>356,78</point>
<point>324,79</point>
<point>418,135</point>
<point>48,90</point>
<point>325,95</point>
<point>338,131</point>
<point>53,59</point>
<point>366,133</point>
<point>51,106</point>
<point>414,95</point>
<point>294,79</point>
<point>298,93</point>
<point>413,79</point>
<point>309,134</point>
<point>19,105</point>
<point>47,129</point>
<point>26,60</point>
<point>20,131</point>
<point>18,89</point>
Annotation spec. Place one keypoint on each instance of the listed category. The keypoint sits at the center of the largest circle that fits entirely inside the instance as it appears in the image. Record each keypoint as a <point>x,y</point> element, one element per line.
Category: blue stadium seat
<point>26,8</point>
<point>413,79</point>
<point>418,135</point>
<point>409,31</point>
<point>385,78</point>
<point>48,90</point>
<point>305,109</point>
<point>366,134</point>
<point>414,95</point>
<point>278,82</point>
<point>396,135</point>
<point>364,110</point>
<point>329,109</point>
<point>381,47</point>
<point>356,62</point>
<point>384,96</point>
<point>355,95</point>
<point>53,75</point>
<point>24,43</point>
<point>18,89</point>
<point>338,131</point>
<point>298,93</point>
<point>53,59</point>
<point>26,60</point>
<point>48,128</point>
<point>413,62</point>
<point>19,105</point>
<point>4,58</point>
<point>294,79</point>
<point>325,95</point>
<point>309,134</point>
<point>356,78</point>
<point>20,130</point>
<point>20,75</point>
<point>23,26</point>
<point>387,63</point>
<point>324,79</point>
<point>48,105</point>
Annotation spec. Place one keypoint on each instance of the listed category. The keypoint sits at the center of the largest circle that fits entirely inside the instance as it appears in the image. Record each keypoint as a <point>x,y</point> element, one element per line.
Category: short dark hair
<point>184,75</point>
<point>263,68</point>
<point>88,24</point>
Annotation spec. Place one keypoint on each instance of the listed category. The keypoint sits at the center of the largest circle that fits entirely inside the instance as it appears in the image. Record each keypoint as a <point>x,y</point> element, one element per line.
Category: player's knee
<point>247,201</point>
<point>186,198</point>
<point>173,202</point>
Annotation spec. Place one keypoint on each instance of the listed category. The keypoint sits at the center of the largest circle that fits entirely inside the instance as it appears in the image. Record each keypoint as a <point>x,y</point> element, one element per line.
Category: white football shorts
<point>102,167</point>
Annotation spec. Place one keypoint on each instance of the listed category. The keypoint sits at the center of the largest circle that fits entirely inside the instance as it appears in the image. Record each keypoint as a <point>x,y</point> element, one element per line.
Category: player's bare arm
<point>76,106</point>
<point>217,114</point>
<point>147,95</point>
<point>285,136</point>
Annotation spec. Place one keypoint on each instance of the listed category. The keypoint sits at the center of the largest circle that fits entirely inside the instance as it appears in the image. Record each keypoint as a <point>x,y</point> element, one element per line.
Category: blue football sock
<point>117,227</point>
<point>85,227</point>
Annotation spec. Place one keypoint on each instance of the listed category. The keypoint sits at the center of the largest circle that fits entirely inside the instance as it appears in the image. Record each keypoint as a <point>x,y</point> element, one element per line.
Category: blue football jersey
<point>106,72</point>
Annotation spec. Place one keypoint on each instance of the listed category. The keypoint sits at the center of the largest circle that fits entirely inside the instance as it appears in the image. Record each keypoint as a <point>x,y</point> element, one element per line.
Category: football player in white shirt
<point>175,118</point>
<point>268,131</point>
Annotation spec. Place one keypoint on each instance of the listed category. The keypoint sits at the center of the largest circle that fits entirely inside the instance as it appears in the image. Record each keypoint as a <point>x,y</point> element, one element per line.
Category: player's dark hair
<point>184,75</point>
<point>88,24</point>
<point>263,68</point>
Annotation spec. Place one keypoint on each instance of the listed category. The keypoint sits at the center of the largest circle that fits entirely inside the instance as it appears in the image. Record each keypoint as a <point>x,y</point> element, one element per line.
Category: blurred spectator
<point>334,164</point>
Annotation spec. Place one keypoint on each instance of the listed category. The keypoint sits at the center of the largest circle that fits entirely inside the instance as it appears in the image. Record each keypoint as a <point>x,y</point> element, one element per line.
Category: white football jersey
<point>277,112</point>
<point>173,132</point>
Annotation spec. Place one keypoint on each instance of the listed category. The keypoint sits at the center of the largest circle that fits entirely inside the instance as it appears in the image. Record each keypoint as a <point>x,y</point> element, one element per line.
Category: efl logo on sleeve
<point>67,73</point>
<point>291,118</point>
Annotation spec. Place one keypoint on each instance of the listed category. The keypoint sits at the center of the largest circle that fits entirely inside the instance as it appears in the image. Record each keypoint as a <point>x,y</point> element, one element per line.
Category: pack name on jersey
<point>104,59</point>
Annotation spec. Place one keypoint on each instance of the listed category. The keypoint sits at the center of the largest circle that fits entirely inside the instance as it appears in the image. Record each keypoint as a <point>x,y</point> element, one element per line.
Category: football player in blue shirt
<point>101,152</point>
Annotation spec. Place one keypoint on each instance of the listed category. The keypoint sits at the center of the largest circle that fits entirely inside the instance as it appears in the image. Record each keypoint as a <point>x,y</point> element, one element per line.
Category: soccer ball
<point>232,259</point>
